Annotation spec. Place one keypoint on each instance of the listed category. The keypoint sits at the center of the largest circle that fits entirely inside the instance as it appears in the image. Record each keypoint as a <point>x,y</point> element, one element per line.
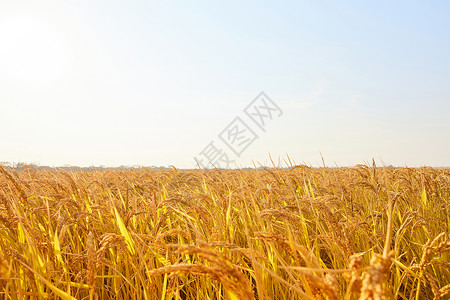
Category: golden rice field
<point>299,233</point>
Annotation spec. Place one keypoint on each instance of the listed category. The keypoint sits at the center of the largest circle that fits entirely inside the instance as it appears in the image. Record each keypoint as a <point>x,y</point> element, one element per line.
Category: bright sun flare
<point>32,52</point>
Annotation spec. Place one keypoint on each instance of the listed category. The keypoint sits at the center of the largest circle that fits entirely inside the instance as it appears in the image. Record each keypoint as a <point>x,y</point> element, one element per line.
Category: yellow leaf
<point>232,295</point>
<point>124,232</point>
<point>56,290</point>
<point>20,233</point>
<point>424,198</point>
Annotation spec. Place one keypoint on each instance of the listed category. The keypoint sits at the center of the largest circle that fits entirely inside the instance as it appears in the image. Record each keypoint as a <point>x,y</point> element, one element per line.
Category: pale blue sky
<point>152,83</point>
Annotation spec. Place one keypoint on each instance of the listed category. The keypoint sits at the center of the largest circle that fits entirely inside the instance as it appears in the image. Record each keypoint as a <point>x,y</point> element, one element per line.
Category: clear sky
<point>154,82</point>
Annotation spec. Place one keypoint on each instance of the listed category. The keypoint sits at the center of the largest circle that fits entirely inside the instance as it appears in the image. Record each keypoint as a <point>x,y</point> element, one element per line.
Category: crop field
<point>297,233</point>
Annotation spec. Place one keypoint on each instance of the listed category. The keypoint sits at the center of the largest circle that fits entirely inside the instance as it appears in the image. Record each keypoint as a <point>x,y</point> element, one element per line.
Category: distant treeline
<point>21,166</point>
